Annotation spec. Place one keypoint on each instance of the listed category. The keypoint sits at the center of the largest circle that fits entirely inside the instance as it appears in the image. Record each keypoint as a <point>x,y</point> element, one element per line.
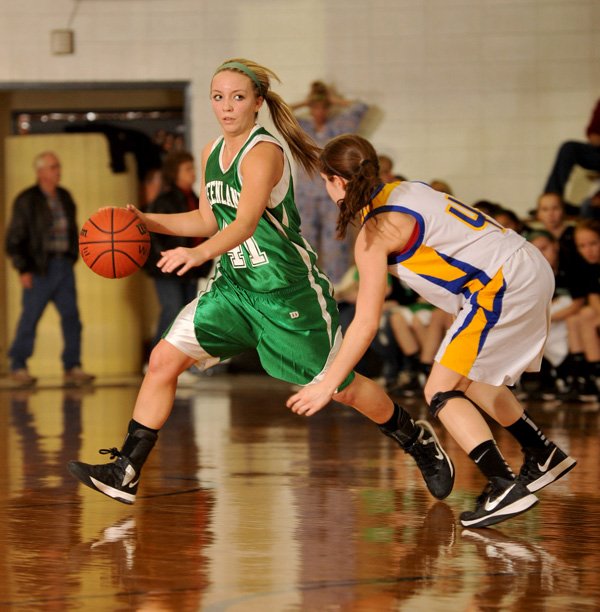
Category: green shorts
<point>294,330</point>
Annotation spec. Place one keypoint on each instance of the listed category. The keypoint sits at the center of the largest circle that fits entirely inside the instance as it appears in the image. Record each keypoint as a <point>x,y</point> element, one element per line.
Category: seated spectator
<point>571,153</point>
<point>568,300</point>
<point>428,326</point>
<point>509,218</point>
<point>584,343</point>
<point>410,325</point>
<point>488,208</point>
<point>550,213</point>
<point>590,207</point>
<point>417,328</point>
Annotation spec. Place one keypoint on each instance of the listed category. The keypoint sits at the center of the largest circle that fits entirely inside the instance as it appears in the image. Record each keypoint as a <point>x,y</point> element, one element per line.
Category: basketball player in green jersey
<point>267,292</point>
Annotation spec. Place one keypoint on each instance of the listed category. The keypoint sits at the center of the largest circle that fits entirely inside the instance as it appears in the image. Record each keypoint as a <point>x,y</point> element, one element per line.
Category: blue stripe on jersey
<point>458,285</point>
<point>398,257</point>
<point>493,315</point>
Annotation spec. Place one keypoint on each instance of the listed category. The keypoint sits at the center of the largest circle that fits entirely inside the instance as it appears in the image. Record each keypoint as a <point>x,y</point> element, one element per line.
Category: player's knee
<point>161,362</point>
<point>440,399</point>
<point>569,148</point>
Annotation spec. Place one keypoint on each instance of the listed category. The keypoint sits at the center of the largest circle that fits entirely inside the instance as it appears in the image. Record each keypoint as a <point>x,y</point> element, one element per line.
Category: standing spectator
<point>572,152</point>
<point>174,291</point>
<point>318,218</point>
<point>42,241</point>
<point>496,284</point>
<point>151,187</point>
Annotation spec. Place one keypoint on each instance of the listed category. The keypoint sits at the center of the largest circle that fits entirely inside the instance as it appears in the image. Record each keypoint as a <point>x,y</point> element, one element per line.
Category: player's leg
<point>120,478</point>
<point>196,336</point>
<point>544,462</point>
<point>571,153</point>
<point>447,394</point>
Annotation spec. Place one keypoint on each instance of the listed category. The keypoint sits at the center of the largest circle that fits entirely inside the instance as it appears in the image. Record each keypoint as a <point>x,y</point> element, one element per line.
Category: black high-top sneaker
<point>542,466</point>
<point>120,479</point>
<point>501,499</point>
<point>435,465</point>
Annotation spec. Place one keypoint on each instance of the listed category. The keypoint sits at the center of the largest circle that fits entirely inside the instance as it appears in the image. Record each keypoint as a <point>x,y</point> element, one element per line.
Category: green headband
<point>243,68</point>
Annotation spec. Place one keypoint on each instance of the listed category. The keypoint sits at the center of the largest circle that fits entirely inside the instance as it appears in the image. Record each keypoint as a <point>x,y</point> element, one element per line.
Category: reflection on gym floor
<point>244,506</point>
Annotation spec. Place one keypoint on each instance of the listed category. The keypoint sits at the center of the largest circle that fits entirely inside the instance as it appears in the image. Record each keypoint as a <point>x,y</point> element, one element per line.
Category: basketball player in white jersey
<point>496,285</point>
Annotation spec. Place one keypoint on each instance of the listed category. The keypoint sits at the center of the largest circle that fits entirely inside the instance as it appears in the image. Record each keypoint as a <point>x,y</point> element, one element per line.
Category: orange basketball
<point>114,242</point>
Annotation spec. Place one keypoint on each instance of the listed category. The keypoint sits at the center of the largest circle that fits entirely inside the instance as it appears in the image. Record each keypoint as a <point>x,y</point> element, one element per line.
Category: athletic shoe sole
<point>553,474</point>
<point>502,514</point>
<point>89,481</point>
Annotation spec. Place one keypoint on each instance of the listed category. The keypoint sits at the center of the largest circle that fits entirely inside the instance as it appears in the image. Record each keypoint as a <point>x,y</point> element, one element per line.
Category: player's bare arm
<point>371,261</point>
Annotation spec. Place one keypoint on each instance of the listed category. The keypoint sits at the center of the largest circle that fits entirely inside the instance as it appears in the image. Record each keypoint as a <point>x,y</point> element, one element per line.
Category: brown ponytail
<point>354,159</point>
<point>302,148</point>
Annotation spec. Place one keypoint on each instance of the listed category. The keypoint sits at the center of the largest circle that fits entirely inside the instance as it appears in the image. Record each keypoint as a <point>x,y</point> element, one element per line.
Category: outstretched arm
<point>371,261</point>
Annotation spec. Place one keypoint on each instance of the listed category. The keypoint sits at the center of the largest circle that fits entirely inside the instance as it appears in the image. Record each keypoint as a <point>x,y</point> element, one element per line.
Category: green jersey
<point>276,255</point>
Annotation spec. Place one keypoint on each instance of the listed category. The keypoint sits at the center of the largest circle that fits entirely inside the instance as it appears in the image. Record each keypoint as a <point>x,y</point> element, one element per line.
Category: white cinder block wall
<point>476,92</point>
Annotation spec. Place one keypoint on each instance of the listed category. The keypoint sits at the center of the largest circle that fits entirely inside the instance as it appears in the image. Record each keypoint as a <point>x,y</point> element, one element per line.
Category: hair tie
<point>363,164</point>
<point>247,71</point>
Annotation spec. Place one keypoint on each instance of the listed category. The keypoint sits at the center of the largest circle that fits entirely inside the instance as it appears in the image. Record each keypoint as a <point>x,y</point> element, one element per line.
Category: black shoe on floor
<point>117,480</point>
<point>435,465</point>
<point>120,479</point>
<point>543,466</point>
<point>500,500</point>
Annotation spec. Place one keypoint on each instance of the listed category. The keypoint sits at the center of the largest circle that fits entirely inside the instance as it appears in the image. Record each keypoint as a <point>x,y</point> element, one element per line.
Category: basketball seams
<point>114,243</point>
<point>107,252</point>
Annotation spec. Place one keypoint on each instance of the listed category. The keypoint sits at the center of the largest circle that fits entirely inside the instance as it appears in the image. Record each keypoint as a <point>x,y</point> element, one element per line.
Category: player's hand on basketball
<point>310,399</point>
<point>180,259</point>
<point>137,212</point>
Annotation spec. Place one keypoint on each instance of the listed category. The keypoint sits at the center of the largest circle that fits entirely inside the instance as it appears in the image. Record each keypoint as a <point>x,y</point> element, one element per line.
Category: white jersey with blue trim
<point>454,250</point>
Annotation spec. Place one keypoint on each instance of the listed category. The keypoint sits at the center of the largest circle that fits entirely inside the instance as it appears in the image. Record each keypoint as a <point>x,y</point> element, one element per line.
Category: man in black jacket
<point>42,242</point>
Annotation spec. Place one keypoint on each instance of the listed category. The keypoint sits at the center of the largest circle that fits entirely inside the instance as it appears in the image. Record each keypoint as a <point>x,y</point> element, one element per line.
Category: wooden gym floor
<point>244,506</point>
